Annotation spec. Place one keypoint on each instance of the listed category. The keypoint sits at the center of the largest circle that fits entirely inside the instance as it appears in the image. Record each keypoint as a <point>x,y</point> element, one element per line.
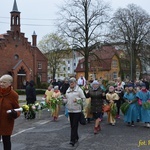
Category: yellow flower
<point>25,108</point>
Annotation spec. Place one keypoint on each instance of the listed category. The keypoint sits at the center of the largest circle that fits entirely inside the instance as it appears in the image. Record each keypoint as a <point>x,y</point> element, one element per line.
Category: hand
<point>13,114</point>
<point>103,94</point>
<point>43,98</point>
<point>111,101</point>
<point>129,102</point>
<point>75,100</point>
<point>86,91</point>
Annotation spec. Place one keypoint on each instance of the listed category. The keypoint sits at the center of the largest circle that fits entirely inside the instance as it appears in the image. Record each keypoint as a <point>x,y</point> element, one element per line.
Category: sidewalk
<point>23,97</point>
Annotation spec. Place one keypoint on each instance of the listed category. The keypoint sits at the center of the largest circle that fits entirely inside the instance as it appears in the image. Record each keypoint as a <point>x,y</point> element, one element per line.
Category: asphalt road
<point>42,133</point>
<point>23,97</point>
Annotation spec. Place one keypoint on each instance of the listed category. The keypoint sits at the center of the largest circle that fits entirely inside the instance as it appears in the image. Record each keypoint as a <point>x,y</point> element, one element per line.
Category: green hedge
<point>38,91</point>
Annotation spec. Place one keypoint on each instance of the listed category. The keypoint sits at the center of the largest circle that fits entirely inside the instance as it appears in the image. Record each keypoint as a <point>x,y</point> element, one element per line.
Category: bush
<point>38,92</point>
<point>42,86</point>
<point>21,92</point>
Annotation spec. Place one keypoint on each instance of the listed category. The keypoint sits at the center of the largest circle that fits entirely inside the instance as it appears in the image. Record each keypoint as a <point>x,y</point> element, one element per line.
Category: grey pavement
<point>43,133</point>
<point>23,97</point>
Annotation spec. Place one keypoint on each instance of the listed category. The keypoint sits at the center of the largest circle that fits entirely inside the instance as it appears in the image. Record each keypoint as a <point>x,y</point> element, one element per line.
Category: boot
<point>99,128</point>
<point>95,130</point>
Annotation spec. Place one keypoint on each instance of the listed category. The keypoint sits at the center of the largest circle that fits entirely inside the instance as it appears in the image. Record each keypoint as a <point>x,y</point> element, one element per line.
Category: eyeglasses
<point>3,82</point>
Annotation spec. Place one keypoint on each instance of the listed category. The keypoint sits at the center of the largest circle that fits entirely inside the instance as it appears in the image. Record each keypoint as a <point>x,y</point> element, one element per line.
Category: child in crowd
<point>111,97</point>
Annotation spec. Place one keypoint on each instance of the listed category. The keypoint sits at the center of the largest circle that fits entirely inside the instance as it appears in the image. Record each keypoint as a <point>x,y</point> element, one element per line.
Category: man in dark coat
<point>30,98</point>
<point>30,93</point>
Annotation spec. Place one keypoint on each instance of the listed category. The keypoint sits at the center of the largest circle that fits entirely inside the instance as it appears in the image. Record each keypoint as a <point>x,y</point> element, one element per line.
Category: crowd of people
<point>95,94</point>
<point>78,96</point>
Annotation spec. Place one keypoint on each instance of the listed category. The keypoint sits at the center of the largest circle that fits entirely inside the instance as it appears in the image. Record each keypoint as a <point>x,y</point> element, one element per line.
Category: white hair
<point>95,82</point>
<point>6,78</point>
<point>56,87</point>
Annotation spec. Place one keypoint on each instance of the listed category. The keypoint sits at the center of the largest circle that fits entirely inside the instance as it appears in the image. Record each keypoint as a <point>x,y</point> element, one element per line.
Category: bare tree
<point>54,47</point>
<point>82,22</point>
<point>131,26</point>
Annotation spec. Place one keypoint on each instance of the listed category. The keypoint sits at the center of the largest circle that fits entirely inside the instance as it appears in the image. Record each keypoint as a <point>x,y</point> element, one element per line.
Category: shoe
<point>95,130</point>
<point>117,116</point>
<point>76,141</point>
<point>132,125</point>
<point>113,124</point>
<point>148,125</point>
<point>99,128</point>
<point>55,118</point>
<point>72,143</point>
<point>88,120</point>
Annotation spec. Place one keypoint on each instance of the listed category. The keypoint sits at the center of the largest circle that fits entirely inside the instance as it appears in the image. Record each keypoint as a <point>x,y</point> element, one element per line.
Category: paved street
<point>23,97</point>
<point>44,134</point>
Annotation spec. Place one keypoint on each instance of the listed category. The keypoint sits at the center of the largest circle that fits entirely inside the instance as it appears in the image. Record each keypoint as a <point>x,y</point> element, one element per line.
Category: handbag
<point>82,119</point>
<point>106,108</point>
<point>66,112</point>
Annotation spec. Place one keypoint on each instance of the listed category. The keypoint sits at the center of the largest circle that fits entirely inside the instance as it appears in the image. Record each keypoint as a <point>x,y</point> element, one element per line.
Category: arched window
<point>21,71</point>
<point>17,20</point>
<point>13,20</point>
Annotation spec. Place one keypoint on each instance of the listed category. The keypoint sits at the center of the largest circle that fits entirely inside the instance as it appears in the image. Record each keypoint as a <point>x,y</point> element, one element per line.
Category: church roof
<point>15,8</point>
<point>34,33</point>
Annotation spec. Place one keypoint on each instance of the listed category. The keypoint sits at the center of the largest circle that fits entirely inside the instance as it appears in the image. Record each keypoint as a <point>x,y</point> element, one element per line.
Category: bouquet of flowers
<point>31,109</point>
<point>124,107</point>
<point>25,108</point>
<point>82,87</point>
<point>55,101</point>
<point>113,109</point>
<point>146,105</point>
<point>43,105</point>
<point>78,101</point>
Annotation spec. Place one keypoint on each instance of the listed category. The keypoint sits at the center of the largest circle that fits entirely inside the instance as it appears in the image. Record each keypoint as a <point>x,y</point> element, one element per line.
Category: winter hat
<point>130,85</point>
<point>143,85</point>
<point>95,82</point>
<point>56,87</point>
<point>111,88</point>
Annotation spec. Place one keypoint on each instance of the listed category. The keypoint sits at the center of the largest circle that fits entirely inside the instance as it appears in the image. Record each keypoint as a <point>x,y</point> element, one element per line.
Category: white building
<point>68,65</point>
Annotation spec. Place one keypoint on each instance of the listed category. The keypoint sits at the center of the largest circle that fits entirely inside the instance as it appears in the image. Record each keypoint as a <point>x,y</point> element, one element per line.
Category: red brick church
<point>19,57</point>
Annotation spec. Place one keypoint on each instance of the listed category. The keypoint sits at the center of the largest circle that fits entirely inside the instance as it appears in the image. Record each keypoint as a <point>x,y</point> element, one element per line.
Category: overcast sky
<point>40,15</point>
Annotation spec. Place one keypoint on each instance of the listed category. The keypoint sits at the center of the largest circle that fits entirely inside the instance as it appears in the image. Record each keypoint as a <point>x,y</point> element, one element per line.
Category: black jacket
<point>30,94</point>
<point>96,99</point>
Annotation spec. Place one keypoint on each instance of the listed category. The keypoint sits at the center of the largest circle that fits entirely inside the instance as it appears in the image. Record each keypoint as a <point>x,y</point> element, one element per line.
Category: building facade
<point>19,57</point>
<point>106,65</point>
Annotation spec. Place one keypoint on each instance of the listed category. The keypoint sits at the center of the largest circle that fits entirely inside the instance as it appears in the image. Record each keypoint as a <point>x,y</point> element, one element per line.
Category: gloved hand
<point>13,114</point>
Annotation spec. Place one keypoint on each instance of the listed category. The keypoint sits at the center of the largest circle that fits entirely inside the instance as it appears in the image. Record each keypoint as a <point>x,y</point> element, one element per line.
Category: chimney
<point>34,37</point>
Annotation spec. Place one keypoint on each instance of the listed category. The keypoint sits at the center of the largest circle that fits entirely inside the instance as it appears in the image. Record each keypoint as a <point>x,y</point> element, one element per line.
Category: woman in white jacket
<point>73,95</point>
